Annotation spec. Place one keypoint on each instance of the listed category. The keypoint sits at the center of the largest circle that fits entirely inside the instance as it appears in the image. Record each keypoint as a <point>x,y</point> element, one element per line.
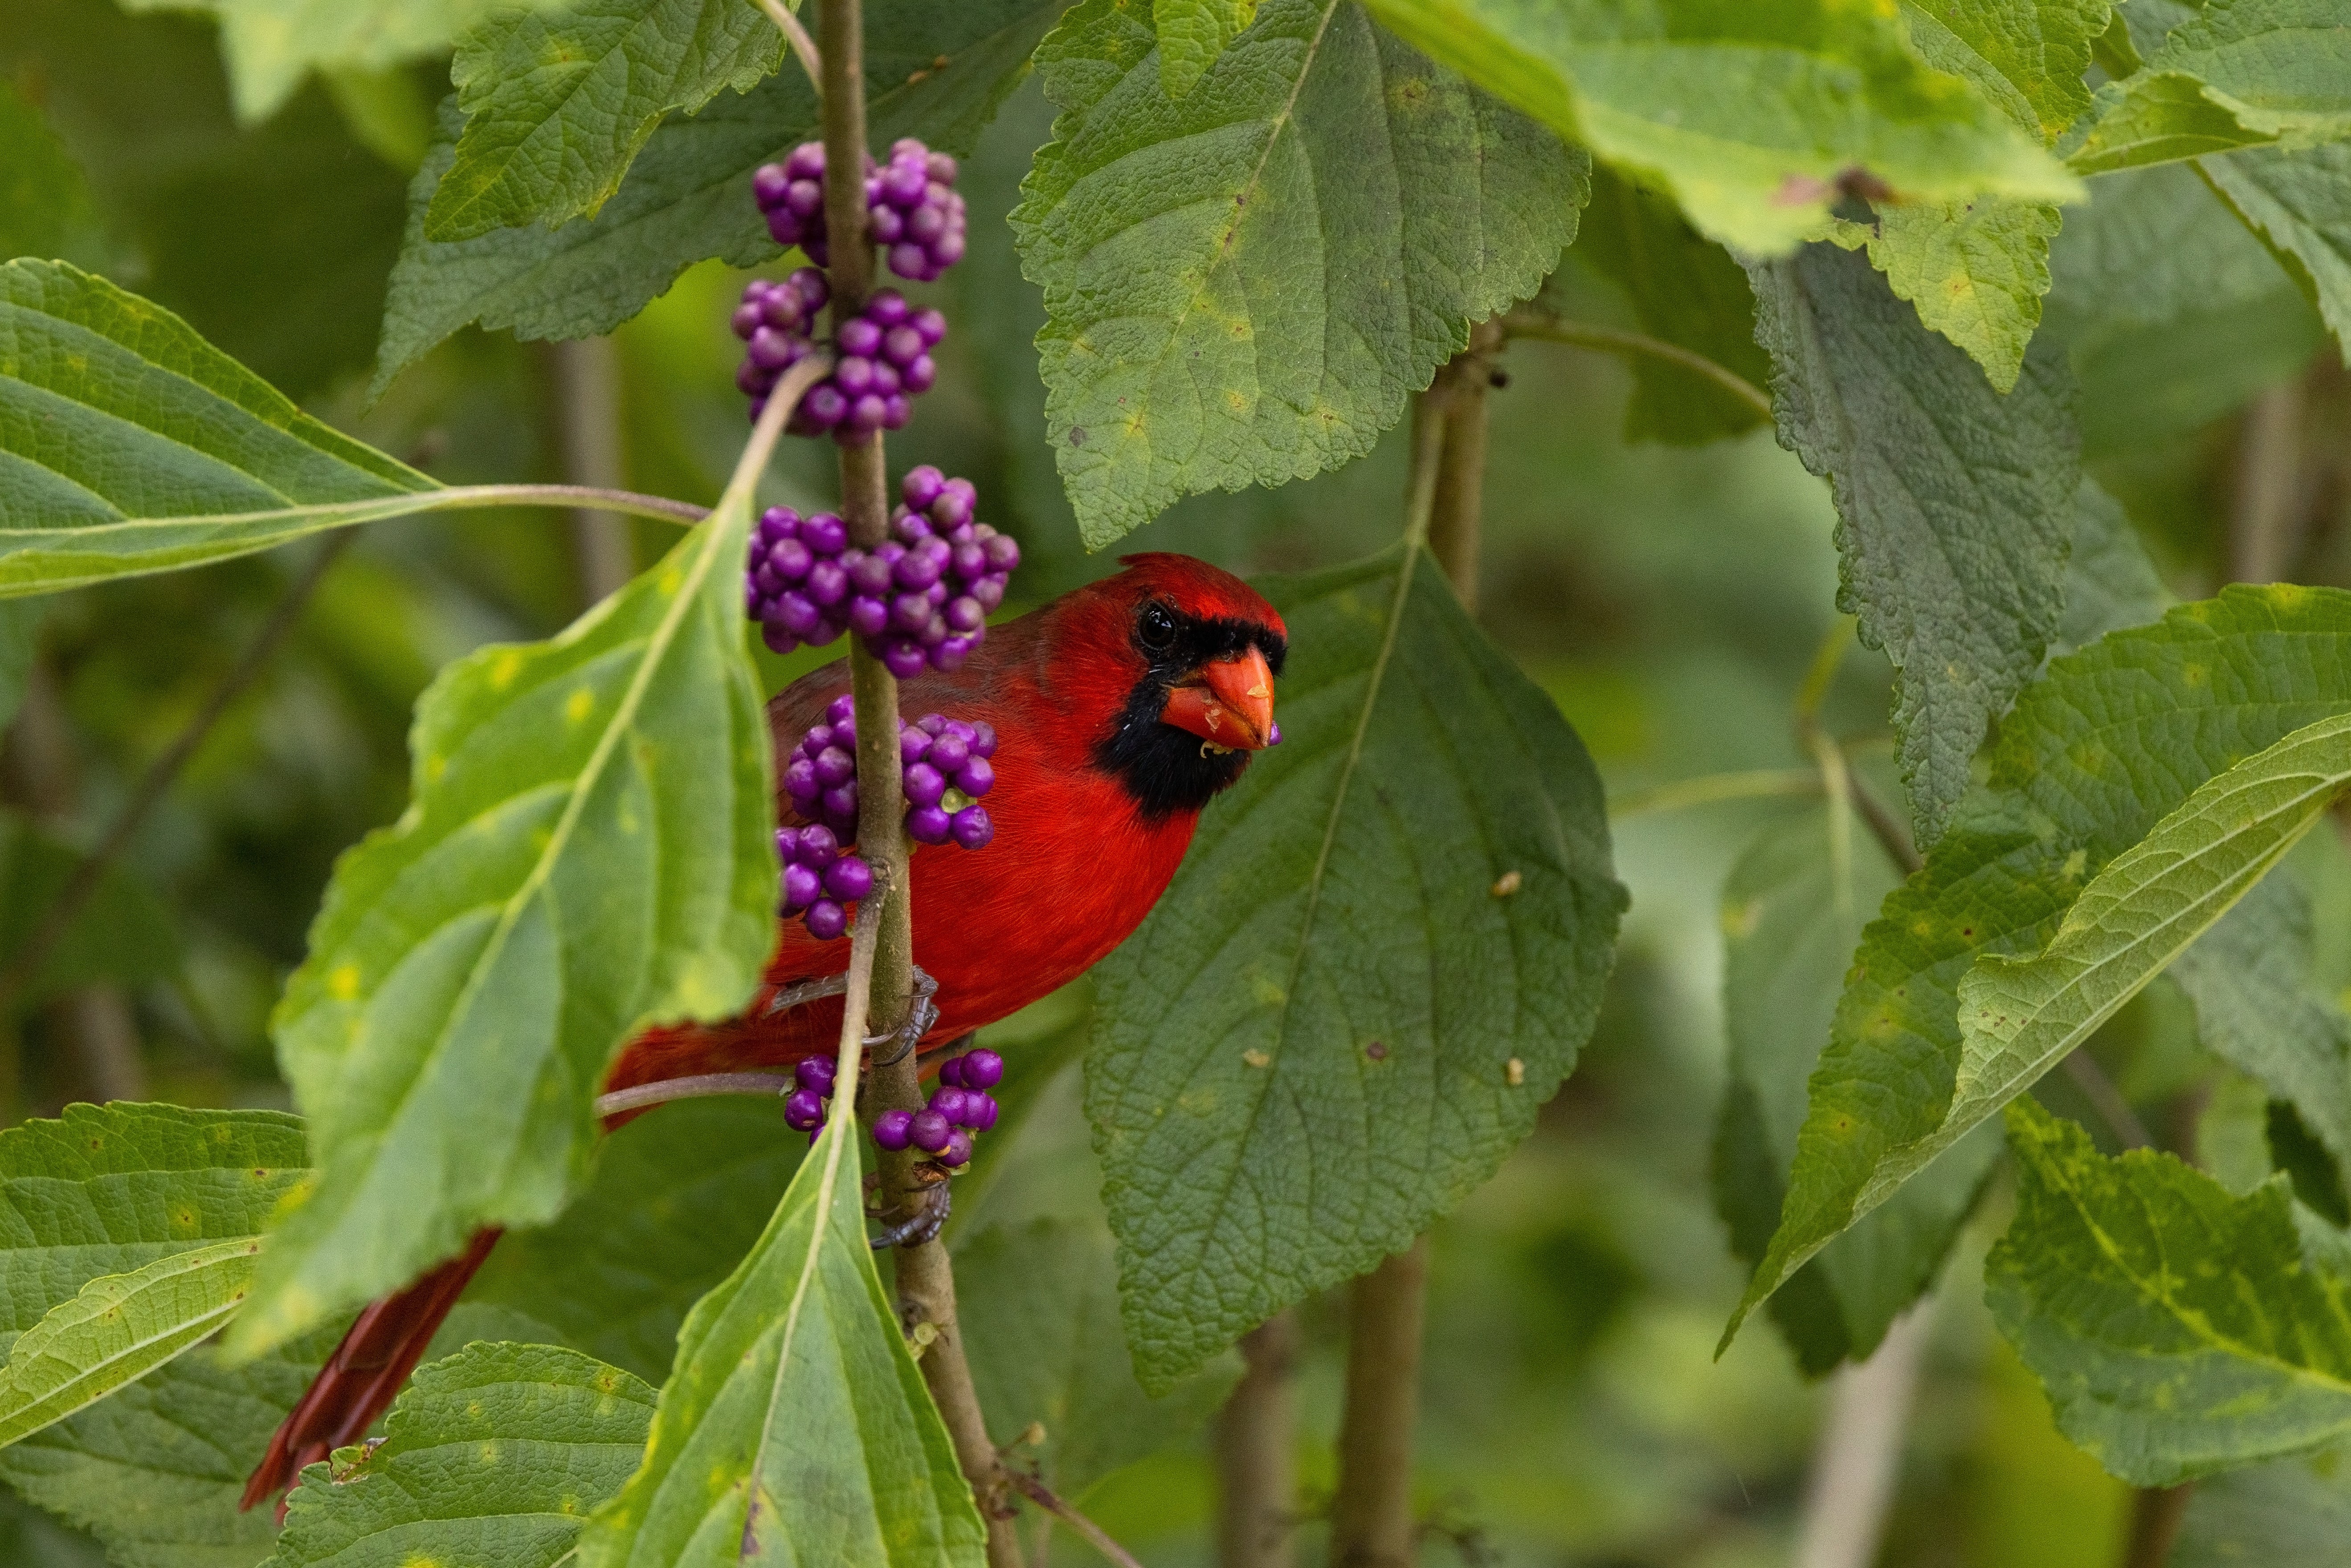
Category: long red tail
<point>361,1378</point>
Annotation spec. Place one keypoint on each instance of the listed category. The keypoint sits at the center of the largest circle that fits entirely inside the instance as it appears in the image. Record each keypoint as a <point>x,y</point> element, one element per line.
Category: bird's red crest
<point>1196,588</point>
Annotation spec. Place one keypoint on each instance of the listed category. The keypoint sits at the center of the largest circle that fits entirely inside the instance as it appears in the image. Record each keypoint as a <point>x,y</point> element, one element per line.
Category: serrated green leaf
<point>2106,745</point>
<point>130,444</point>
<point>1192,34</point>
<point>560,104</point>
<point>678,1198</point>
<point>1244,287</point>
<point>2238,73</point>
<point>796,1421</point>
<point>271,45</point>
<point>1748,115</point>
<point>2302,202</point>
<point>1793,911</point>
<point>2018,1015</point>
<point>1686,290</point>
<point>119,1329</point>
<point>2171,312</point>
<point>2259,1009</point>
<point>123,933</point>
<point>587,852</point>
<point>687,197</point>
<point>44,203</point>
<point>2110,583</point>
<point>1954,502</point>
<point>495,1456</point>
<point>1305,1054</point>
<point>2178,1330</point>
<point>2295,1513</point>
<point>1977,270</point>
<point>1038,1307</point>
<point>155,1471</point>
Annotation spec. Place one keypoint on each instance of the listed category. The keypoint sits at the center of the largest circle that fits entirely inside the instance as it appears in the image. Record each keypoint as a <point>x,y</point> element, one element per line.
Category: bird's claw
<point>931,1203</point>
<point>921,1019</point>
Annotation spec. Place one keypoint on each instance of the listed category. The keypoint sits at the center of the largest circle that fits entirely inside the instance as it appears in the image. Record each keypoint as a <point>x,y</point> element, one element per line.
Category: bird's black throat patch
<point>1166,770</point>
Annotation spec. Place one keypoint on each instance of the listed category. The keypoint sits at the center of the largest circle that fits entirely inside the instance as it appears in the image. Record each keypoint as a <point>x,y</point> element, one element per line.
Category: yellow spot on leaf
<point>1514,1072</point>
<point>343,982</point>
<point>1255,1058</point>
<point>578,704</point>
<point>507,665</point>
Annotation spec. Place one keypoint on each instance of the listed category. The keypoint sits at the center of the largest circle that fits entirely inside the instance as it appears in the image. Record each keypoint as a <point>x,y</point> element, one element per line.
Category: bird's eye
<point>1157,630</point>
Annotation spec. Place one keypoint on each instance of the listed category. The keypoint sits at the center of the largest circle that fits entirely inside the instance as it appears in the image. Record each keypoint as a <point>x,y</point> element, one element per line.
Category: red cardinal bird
<point>1119,710</point>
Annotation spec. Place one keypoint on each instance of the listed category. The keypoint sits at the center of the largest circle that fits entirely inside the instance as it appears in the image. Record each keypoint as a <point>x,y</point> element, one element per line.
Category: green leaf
<point>123,933</point>
<point>2236,74</point>
<point>127,1235</point>
<point>2171,312</point>
<point>496,1455</point>
<point>1244,287</point>
<point>44,203</point>
<point>1748,115</point>
<point>2110,583</point>
<point>2018,1015</point>
<point>796,1420</point>
<point>677,1198</point>
<point>271,45</point>
<point>1792,912</point>
<point>2109,742</point>
<point>155,1472</point>
<point>2295,1513</point>
<point>1686,290</point>
<point>2302,202</point>
<point>587,852</point>
<point>2258,1009</point>
<point>1192,34</point>
<point>129,445</point>
<point>119,1329</point>
<point>1332,1029</point>
<point>687,197</point>
<point>1039,1311</point>
<point>1954,502</point>
<point>1977,270</point>
<point>560,103</point>
<point>2177,1329</point>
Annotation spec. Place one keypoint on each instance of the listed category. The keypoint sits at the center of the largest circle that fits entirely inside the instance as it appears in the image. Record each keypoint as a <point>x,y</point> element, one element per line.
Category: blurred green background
<point>1670,598</point>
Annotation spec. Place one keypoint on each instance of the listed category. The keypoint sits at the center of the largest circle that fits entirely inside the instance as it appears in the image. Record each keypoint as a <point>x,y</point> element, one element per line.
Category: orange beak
<point>1231,705</point>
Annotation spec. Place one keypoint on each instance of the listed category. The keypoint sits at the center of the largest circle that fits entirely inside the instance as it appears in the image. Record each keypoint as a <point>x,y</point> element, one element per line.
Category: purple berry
<point>980,1111</point>
<point>824,406</point>
<point>920,376</point>
<point>965,615</point>
<point>952,652</point>
<point>803,1110</point>
<point>911,744</point>
<point>839,802</point>
<point>956,1150</point>
<point>848,879</point>
<point>834,765</point>
<point>886,225</point>
<point>799,780</point>
<point>949,1102</point>
<point>814,1072</point>
<point>854,375</point>
<point>826,920</point>
<point>827,584</point>
<point>924,224</point>
<point>921,486</point>
<point>887,308</point>
<point>932,325</point>
<point>911,261</point>
<point>868,616</point>
<point>904,657</point>
<point>802,887</point>
<point>917,568</point>
<point>972,827</point>
<point>928,1131</point>
<point>903,184</point>
<point>894,1129</point>
<point>949,752</point>
<point>806,161</point>
<point>859,336</point>
<point>1273,735</point>
<point>818,848</point>
<point>782,309</point>
<point>951,1071</point>
<point>809,284</point>
<point>824,533</point>
<point>929,825</point>
<point>982,1069</point>
<point>989,591</point>
<point>924,784</point>
<point>975,778</point>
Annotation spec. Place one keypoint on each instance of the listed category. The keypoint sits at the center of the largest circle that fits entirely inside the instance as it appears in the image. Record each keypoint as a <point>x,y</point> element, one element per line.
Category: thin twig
<point>1257,1451</point>
<point>1709,789</point>
<point>87,874</point>
<point>584,374</point>
<point>1617,341</point>
<point>2107,1099</point>
<point>2156,1513</point>
<point>1098,1538</point>
<point>797,36</point>
<point>1860,1448</point>
<point>698,1087</point>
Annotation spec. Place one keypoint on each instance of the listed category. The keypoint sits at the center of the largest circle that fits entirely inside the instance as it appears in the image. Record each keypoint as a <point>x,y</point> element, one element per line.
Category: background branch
<point>1550,328</point>
<point>1257,1451</point>
<point>586,376</point>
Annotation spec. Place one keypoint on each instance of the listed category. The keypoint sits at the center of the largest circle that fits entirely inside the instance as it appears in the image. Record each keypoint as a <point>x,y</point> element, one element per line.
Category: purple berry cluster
<point>960,1107</point>
<point>945,769</point>
<point>804,1107</point>
<point>920,600</point>
<point>885,356</point>
<point>912,210</point>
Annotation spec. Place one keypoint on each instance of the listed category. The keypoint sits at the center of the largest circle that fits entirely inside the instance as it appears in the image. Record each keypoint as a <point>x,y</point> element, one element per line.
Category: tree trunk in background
<point>587,378</point>
<point>1371,1517</point>
<point>1256,1452</point>
<point>1859,1454</point>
